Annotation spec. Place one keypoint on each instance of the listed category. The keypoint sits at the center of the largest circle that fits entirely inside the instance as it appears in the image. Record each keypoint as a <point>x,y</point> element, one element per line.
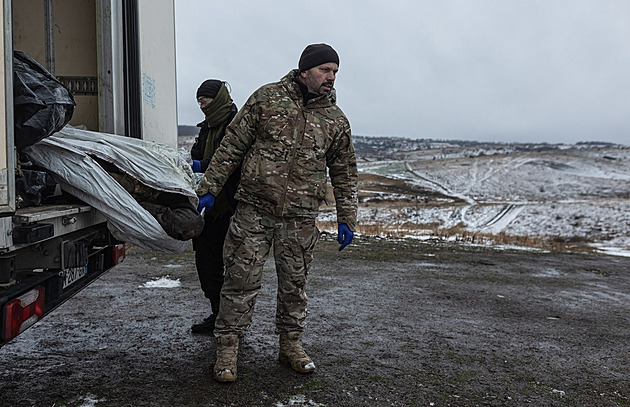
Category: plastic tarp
<point>42,105</point>
<point>68,156</point>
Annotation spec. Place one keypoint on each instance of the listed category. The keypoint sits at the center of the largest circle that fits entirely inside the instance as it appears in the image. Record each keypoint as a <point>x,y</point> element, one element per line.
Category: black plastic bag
<point>41,104</point>
<point>32,187</point>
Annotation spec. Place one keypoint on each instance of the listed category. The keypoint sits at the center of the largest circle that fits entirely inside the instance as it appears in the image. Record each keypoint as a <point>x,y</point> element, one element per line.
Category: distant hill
<point>186,130</point>
<point>381,148</point>
<point>530,194</point>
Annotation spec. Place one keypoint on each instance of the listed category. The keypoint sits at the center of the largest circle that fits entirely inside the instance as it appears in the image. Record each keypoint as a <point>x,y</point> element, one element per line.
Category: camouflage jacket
<point>285,148</point>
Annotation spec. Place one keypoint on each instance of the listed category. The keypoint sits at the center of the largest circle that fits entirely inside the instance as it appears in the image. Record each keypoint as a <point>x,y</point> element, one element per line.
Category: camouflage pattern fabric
<point>136,188</point>
<point>250,237</point>
<point>285,148</point>
<point>181,223</point>
<point>180,220</point>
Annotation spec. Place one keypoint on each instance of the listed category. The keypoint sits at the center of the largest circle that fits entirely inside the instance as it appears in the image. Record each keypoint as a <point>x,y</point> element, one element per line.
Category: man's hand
<point>196,166</point>
<point>205,203</point>
<point>344,236</point>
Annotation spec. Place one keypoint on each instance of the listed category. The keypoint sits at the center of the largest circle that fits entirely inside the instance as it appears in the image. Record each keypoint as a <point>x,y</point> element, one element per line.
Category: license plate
<point>71,276</point>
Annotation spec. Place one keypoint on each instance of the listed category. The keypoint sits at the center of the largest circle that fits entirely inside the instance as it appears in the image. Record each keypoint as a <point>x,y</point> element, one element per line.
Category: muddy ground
<point>392,323</point>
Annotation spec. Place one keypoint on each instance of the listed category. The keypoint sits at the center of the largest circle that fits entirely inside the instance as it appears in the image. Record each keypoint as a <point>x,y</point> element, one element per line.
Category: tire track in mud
<point>495,224</point>
<point>506,215</point>
<point>440,187</point>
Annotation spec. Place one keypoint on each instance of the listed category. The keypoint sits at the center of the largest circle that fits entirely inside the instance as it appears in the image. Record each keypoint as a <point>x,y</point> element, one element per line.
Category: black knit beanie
<point>209,88</point>
<point>317,54</point>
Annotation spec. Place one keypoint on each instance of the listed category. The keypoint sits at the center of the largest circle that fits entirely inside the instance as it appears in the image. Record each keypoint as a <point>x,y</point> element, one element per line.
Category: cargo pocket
<point>308,239</point>
<point>234,241</point>
<point>247,241</point>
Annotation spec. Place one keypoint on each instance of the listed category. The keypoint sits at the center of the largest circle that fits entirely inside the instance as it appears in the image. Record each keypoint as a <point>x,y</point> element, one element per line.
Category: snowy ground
<point>575,194</point>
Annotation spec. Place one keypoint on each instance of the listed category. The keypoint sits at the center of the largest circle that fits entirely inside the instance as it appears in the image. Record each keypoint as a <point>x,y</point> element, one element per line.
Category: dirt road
<point>392,323</point>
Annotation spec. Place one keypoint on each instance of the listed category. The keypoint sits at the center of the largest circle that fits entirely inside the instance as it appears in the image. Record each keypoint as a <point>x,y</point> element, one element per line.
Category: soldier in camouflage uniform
<point>216,103</point>
<point>286,136</point>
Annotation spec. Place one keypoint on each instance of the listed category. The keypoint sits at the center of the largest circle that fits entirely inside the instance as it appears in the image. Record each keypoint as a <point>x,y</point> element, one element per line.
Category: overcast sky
<point>487,70</point>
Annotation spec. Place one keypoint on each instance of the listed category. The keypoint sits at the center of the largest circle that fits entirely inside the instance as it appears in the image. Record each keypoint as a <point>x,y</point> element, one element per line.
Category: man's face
<point>320,79</point>
<point>203,102</point>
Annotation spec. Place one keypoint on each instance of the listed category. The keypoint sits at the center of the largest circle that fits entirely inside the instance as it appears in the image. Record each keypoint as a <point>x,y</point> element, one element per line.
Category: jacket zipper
<point>298,135</point>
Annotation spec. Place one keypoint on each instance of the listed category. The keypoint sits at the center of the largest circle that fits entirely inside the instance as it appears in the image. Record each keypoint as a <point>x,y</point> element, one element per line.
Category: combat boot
<point>227,353</point>
<point>205,326</point>
<point>292,354</point>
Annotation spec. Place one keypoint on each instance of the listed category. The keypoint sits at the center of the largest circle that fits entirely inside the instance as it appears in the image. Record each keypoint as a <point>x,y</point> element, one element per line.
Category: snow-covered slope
<point>566,193</point>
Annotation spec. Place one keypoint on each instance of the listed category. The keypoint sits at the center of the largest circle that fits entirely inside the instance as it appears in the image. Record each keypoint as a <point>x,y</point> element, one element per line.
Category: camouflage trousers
<point>251,235</point>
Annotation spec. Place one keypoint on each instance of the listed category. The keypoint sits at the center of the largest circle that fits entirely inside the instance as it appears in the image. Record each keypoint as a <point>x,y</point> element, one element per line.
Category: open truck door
<point>118,61</point>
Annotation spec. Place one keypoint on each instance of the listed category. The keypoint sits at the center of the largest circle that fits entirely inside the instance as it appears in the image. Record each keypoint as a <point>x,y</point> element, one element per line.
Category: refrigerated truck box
<point>118,60</point>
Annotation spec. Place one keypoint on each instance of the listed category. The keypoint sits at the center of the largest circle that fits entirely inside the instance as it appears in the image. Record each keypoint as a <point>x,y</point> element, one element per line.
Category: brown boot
<point>227,352</point>
<point>292,354</point>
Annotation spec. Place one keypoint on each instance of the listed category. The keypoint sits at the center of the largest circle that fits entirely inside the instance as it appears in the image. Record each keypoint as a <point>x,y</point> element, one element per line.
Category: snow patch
<point>173,266</point>
<point>614,251</point>
<point>299,400</point>
<point>162,282</point>
<point>90,400</point>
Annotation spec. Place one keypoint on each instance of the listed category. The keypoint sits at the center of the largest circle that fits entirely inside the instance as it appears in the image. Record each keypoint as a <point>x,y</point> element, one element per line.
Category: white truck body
<point>118,60</point>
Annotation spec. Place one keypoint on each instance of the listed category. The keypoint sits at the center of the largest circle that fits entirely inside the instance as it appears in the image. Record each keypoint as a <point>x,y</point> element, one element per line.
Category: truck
<point>117,58</point>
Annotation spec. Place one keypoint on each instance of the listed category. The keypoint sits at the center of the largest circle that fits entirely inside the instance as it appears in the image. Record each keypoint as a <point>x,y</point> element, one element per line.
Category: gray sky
<point>486,70</point>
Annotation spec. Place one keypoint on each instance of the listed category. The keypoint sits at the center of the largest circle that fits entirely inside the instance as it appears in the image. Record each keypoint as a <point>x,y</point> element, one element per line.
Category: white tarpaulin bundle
<point>68,156</point>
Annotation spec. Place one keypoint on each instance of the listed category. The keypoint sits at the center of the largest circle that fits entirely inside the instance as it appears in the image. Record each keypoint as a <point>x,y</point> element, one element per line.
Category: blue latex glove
<point>205,203</point>
<point>344,236</point>
<point>196,166</point>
